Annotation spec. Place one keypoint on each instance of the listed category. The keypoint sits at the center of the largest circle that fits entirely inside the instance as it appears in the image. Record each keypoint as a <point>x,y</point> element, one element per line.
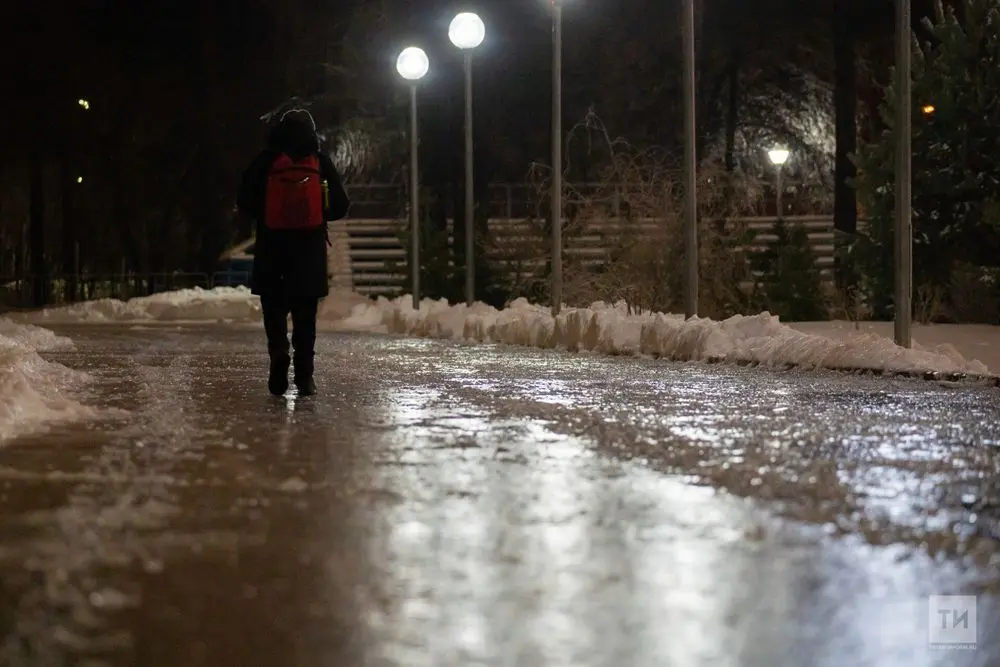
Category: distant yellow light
<point>928,109</point>
<point>79,179</point>
<point>84,104</point>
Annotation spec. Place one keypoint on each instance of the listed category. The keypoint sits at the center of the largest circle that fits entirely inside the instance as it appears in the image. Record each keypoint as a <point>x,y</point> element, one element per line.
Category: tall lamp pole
<point>904,215</point>
<point>557,280</point>
<point>467,32</point>
<point>413,65</point>
<point>690,165</point>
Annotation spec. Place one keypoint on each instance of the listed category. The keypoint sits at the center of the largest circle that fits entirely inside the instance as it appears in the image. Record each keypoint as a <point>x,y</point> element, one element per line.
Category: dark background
<point>178,87</point>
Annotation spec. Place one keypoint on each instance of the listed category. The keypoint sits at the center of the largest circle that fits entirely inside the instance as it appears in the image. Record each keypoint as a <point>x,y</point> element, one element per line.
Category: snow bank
<point>969,341</point>
<point>612,329</point>
<point>34,391</point>
<point>222,304</point>
<point>602,328</point>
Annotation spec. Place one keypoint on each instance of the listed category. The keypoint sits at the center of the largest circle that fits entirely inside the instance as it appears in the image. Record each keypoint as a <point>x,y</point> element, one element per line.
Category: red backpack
<point>294,198</point>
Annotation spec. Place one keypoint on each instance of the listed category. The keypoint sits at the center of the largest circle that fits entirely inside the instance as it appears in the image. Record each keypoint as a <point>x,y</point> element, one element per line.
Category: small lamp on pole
<point>779,156</point>
<point>413,65</point>
<point>467,31</point>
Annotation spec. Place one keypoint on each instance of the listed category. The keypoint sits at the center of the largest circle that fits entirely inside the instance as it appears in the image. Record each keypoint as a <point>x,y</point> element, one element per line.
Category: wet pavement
<point>446,505</point>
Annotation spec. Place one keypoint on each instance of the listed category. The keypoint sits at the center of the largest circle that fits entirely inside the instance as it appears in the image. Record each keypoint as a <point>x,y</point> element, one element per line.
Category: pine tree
<point>789,279</point>
<point>956,171</point>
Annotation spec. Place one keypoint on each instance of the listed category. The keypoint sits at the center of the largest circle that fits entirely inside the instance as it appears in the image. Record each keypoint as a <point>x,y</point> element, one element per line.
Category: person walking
<point>291,190</point>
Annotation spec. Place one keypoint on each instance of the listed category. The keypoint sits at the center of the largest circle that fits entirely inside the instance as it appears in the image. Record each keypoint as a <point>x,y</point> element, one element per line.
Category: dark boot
<point>275,313</point>
<point>304,375</point>
<point>304,344</point>
<point>277,380</point>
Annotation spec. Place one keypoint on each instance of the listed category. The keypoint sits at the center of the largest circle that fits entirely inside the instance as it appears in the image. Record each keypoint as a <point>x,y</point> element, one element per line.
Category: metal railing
<point>54,290</point>
<point>19,293</point>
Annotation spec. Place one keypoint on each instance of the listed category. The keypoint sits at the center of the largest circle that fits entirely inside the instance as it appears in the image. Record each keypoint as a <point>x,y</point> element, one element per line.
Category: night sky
<point>145,177</point>
<point>173,43</point>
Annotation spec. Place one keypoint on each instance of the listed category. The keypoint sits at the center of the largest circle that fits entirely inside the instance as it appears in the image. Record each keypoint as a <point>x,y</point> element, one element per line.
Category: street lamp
<point>690,165</point>
<point>84,104</point>
<point>467,32</point>
<point>903,297</point>
<point>779,156</point>
<point>556,157</point>
<point>412,64</point>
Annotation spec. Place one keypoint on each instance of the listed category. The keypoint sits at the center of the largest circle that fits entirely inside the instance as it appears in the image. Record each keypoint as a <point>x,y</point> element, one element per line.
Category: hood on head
<point>295,134</point>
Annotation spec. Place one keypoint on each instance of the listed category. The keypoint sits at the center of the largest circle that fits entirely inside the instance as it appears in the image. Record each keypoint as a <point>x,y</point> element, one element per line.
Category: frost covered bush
<point>630,218</point>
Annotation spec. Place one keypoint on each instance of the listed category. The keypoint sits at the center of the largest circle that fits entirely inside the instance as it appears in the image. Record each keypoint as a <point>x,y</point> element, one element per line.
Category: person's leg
<point>274,309</point>
<point>304,343</point>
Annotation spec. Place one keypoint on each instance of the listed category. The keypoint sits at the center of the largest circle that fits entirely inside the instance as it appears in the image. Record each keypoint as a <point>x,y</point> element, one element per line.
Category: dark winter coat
<point>290,263</point>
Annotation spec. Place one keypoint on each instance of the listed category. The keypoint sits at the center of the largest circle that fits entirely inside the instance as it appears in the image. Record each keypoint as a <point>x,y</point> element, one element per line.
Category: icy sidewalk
<point>453,505</point>
<point>602,328</point>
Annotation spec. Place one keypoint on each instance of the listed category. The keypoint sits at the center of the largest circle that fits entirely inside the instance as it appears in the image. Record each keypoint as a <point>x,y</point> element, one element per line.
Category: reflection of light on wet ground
<point>511,507</point>
<point>475,541</point>
<point>550,391</point>
<point>763,433</point>
<point>583,561</point>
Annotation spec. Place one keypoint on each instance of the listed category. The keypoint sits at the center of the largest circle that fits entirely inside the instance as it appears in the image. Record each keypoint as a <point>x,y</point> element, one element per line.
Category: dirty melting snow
<point>186,305</point>
<point>601,328</point>
<point>34,391</point>
<point>612,329</point>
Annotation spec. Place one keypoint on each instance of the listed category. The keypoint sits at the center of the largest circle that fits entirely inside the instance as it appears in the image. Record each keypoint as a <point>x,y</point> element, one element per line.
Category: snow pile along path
<point>601,328</point>
<point>33,391</point>
<point>196,305</point>
<point>612,329</point>
<point>222,304</point>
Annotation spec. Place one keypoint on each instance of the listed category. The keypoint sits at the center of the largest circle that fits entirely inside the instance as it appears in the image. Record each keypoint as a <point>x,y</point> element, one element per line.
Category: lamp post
<point>467,32</point>
<point>904,214</point>
<point>690,165</point>
<point>412,64</point>
<point>779,156</point>
<point>556,157</point>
